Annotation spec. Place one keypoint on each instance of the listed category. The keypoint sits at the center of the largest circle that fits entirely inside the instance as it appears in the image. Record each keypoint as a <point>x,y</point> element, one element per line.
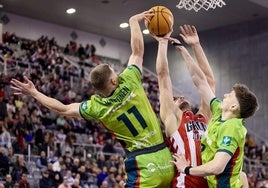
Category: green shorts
<point>150,170</point>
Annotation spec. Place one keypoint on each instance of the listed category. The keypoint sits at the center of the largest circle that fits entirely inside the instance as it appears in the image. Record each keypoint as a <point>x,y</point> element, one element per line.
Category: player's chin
<point>185,105</point>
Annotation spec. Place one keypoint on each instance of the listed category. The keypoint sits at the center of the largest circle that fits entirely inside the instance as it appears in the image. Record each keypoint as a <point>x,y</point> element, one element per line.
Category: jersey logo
<point>84,106</point>
<point>226,141</point>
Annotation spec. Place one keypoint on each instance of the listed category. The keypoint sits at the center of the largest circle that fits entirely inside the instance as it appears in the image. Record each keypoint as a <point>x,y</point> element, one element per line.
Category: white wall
<point>33,29</point>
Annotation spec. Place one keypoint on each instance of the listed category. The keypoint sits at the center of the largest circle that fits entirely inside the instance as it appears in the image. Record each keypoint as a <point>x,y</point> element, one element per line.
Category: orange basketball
<point>162,21</point>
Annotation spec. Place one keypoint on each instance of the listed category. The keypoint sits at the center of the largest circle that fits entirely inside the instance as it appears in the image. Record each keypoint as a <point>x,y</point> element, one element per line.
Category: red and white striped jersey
<point>187,141</point>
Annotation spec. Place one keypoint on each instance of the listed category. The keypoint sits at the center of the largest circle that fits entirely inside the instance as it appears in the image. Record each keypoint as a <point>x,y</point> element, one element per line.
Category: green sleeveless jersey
<point>224,136</point>
<point>126,113</point>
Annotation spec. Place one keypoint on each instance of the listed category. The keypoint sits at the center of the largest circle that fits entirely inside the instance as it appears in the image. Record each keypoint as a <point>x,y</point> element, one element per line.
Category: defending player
<point>183,128</point>
<point>223,145</point>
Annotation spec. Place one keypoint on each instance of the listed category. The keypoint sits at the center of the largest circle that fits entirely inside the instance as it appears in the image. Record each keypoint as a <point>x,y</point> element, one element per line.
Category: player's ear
<point>114,80</point>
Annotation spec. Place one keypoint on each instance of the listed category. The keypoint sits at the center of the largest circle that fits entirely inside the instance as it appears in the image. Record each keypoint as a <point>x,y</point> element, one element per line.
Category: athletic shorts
<point>150,170</point>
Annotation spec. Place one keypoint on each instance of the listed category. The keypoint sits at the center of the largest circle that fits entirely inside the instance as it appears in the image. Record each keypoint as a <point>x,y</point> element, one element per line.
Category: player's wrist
<point>187,170</point>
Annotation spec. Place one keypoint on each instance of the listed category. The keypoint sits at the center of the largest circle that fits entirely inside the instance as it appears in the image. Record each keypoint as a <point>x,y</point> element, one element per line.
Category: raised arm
<point>190,36</point>
<point>28,88</point>
<point>136,40</point>
<point>167,107</point>
<point>197,75</point>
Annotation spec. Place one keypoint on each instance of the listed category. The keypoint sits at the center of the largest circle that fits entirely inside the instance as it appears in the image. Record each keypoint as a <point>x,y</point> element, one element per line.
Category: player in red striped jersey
<point>183,128</point>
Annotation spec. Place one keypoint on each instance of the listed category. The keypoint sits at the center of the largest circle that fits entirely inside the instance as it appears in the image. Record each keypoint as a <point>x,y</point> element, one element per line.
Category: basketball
<point>162,21</point>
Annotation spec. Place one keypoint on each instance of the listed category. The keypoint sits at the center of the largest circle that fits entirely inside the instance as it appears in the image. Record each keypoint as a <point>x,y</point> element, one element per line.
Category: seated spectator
<point>3,108</point>
<point>9,182</point>
<point>39,138</point>
<point>50,170</point>
<point>69,178</point>
<point>67,145</point>
<point>104,184</point>
<point>45,181</point>
<point>64,184</point>
<point>4,164</point>
<point>11,157</point>
<point>57,164</point>
<point>83,175</point>
<point>48,142</point>
<point>23,181</point>
<point>110,179</point>
<point>41,162</point>
<point>102,174</point>
<point>101,160</point>
<point>57,180</point>
<point>19,168</point>
<point>5,138</point>
<point>61,136</point>
<point>51,157</point>
<point>75,166</point>
<point>76,183</point>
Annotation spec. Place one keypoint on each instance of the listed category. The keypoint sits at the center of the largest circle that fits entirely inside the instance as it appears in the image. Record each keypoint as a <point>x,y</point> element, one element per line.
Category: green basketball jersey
<point>224,136</point>
<point>126,113</point>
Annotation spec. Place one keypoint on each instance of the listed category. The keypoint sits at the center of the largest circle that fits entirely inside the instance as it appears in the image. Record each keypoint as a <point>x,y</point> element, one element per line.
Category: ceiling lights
<point>70,11</point>
<point>124,25</point>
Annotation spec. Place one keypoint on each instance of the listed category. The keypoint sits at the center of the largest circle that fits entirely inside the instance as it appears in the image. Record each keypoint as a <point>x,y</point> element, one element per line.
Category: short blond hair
<point>99,76</point>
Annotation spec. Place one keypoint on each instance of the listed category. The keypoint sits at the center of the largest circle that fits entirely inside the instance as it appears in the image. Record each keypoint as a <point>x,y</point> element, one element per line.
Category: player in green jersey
<point>223,144</point>
<point>124,109</point>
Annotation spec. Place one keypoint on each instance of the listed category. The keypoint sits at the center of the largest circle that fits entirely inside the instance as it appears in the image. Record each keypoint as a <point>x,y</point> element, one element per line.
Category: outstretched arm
<point>28,88</point>
<point>190,36</point>
<point>197,75</point>
<point>167,107</point>
<point>136,41</point>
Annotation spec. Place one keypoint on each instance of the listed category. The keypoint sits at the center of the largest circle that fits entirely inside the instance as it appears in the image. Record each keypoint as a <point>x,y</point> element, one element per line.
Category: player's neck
<point>228,115</point>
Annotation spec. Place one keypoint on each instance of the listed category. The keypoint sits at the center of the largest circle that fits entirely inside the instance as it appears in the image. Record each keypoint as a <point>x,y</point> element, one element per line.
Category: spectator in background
<point>48,142</point>
<point>45,181</point>
<point>110,179</point>
<point>10,105</point>
<point>69,178</point>
<point>108,148</point>
<point>39,136</point>
<point>4,163</point>
<point>76,183</point>
<point>57,180</point>
<point>51,157</point>
<point>9,183</point>
<point>64,184</point>
<point>102,174</point>
<point>23,181</point>
<point>84,175</point>
<point>67,145</point>
<point>19,168</point>
<point>2,90</point>
<point>101,160</point>
<point>11,157</point>
<point>41,162</point>
<point>75,166</point>
<point>61,136</point>
<point>5,138</point>
<point>3,109</point>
